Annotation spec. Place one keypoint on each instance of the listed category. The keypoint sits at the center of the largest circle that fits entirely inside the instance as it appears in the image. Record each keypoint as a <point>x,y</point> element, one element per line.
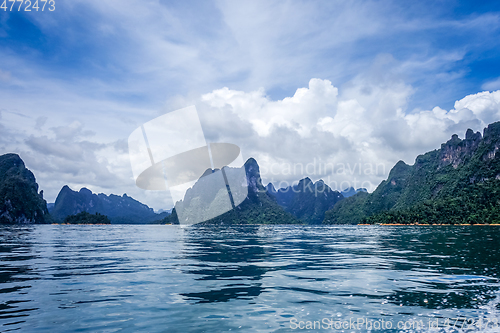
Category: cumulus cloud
<point>99,69</point>
<point>484,105</point>
<point>348,136</point>
<point>299,112</point>
<point>352,136</point>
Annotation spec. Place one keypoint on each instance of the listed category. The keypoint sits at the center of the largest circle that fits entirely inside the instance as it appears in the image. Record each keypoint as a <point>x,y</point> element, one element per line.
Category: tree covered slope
<point>20,201</point>
<point>460,168</point>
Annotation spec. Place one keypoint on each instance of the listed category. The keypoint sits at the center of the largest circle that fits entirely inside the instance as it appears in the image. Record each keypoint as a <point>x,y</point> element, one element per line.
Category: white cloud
<point>491,85</point>
<point>71,155</point>
<point>108,66</point>
<point>484,105</point>
<point>364,125</point>
<point>348,136</point>
<point>319,100</point>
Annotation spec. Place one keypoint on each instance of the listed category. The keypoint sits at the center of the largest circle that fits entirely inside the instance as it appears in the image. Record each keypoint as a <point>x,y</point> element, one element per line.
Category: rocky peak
<point>455,151</point>
<point>399,172</point>
<point>470,135</point>
<point>270,188</point>
<point>306,200</point>
<point>305,184</point>
<point>251,167</point>
<point>65,188</point>
<point>85,191</point>
<point>12,165</point>
<point>321,186</point>
<point>492,140</point>
<point>492,132</point>
<point>20,201</point>
<point>253,176</point>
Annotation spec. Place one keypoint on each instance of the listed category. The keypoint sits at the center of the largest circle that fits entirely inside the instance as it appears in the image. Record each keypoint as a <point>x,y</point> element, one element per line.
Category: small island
<point>87,218</point>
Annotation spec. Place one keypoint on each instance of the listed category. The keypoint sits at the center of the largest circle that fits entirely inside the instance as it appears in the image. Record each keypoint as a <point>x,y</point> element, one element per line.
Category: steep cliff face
<point>20,201</point>
<point>307,201</point>
<point>491,141</point>
<point>256,191</point>
<point>456,151</point>
<point>120,209</point>
<point>434,175</point>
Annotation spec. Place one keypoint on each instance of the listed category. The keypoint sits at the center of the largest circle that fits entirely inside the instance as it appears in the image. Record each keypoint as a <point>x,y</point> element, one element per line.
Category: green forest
<point>87,218</point>
<point>477,204</point>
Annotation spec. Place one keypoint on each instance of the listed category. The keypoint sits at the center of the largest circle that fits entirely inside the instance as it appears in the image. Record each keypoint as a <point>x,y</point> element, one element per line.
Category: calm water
<point>248,279</point>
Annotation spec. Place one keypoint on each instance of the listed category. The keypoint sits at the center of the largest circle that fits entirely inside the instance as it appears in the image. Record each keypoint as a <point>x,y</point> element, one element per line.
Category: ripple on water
<point>246,278</point>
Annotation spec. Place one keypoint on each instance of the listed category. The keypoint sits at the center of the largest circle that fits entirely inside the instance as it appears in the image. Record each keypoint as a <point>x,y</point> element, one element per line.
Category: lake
<point>144,278</point>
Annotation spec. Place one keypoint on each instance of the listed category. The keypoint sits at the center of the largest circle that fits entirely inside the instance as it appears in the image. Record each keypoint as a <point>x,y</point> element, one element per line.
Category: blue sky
<point>75,82</point>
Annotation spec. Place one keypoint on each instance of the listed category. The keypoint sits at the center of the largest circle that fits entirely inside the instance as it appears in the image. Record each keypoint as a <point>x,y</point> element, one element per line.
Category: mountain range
<point>307,201</point>
<point>119,209</point>
<point>457,183</point>
<point>259,207</point>
<point>464,174</point>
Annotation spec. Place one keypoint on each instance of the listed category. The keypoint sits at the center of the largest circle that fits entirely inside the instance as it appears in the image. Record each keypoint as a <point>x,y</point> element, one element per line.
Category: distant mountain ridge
<point>458,183</point>
<point>307,201</point>
<point>259,207</point>
<point>119,209</point>
<point>349,192</point>
<point>20,201</point>
<point>438,175</point>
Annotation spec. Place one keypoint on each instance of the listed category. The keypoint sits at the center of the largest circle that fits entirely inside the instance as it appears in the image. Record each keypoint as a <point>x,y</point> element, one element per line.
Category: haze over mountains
<point>458,183</point>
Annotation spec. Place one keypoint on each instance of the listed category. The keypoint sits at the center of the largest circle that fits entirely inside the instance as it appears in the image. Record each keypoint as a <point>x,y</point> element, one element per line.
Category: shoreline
<point>440,224</point>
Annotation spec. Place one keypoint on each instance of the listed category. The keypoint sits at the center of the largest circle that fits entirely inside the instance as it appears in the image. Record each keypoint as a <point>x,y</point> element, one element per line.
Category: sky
<point>332,90</point>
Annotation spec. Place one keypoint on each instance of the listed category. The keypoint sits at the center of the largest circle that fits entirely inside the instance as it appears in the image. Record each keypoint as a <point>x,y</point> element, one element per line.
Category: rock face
<point>456,151</point>
<point>119,209</point>
<point>435,175</point>
<point>307,201</point>
<point>20,201</point>
<point>259,207</point>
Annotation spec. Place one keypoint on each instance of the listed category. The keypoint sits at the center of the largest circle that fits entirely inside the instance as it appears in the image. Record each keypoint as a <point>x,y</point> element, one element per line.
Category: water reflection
<point>16,254</point>
<point>447,267</point>
<point>428,268</point>
<point>238,257</point>
<point>228,254</point>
